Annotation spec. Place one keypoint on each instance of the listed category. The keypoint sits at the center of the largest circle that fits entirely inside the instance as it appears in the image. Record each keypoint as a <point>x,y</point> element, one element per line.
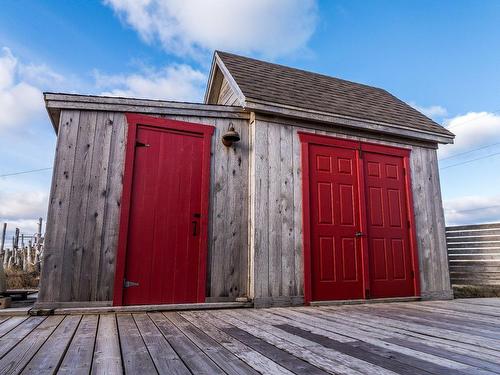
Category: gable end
<point>222,88</point>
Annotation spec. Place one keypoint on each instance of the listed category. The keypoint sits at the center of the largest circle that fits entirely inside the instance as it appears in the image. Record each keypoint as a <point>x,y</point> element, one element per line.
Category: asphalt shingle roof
<point>282,85</point>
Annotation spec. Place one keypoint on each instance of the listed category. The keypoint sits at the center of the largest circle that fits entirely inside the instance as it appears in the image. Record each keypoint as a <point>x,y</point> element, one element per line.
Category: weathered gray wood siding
<point>276,230</point>
<point>83,216</point>
<point>474,254</point>
<point>226,95</point>
<point>430,224</point>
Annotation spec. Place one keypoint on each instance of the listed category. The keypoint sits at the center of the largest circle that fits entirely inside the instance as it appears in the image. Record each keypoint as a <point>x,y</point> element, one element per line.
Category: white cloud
<point>41,75</point>
<point>267,27</point>
<point>472,210</point>
<point>19,100</point>
<point>21,209</point>
<point>175,82</point>
<point>472,130</point>
<point>26,204</point>
<point>433,111</point>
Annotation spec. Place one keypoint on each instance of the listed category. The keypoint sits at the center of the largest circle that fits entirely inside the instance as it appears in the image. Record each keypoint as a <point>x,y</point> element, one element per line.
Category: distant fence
<point>26,251</point>
<point>474,254</point>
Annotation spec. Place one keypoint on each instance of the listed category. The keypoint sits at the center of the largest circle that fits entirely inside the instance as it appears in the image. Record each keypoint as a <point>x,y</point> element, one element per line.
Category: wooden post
<point>6,252</point>
<point>39,229</point>
<point>38,247</point>
<point>16,257</point>
<point>2,242</point>
<point>29,258</point>
<point>16,238</point>
<point>12,252</point>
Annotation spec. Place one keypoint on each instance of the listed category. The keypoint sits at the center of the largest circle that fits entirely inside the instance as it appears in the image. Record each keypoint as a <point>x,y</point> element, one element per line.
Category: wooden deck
<point>445,337</point>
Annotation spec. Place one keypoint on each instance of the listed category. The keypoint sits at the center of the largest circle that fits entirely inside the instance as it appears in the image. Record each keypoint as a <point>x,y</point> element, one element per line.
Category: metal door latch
<point>359,234</point>
<point>128,284</point>
<point>141,144</point>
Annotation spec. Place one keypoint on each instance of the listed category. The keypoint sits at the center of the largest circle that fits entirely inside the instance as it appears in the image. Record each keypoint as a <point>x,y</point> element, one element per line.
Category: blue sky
<point>443,57</point>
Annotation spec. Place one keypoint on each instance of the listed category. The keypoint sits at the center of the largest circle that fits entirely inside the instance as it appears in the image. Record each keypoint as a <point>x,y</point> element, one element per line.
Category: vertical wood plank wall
<point>276,214</point>
<point>255,206</point>
<point>83,217</point>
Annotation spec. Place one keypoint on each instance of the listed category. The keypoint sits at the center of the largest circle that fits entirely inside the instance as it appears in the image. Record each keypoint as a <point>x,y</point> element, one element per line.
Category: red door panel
<point>334,218</point>
<point>163,229</point>
<point>358,238</point>
<point>389,252</point>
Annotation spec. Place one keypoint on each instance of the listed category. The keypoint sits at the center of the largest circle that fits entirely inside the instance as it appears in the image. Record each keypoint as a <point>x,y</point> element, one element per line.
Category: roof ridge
<point>299,70</point>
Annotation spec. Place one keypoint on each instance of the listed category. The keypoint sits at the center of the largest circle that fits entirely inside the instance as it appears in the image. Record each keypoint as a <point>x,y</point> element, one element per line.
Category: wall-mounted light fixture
<point>231,136</point>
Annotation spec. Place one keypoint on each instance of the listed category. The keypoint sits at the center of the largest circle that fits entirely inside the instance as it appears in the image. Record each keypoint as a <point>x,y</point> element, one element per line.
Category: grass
<point>476,291</point>
<point>18,279</point>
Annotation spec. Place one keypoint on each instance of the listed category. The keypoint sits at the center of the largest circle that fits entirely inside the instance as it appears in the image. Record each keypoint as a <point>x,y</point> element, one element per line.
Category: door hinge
<point>412,274</point>
<point>128,284</point>
<point>141,144</point>
<point>404,171</point>
<point>367,293</point>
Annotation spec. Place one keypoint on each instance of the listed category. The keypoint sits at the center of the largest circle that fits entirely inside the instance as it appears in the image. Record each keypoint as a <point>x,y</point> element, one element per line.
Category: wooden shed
<point>323,189</point>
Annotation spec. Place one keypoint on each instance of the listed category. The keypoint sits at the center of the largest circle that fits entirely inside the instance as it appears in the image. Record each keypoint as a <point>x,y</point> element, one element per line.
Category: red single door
<point>166,239</point>
<point>390,255</point>
<point>334,213</point>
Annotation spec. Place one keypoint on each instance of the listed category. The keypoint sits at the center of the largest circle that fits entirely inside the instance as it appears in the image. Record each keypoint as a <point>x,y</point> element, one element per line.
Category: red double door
<point>163,230</point>
<point>358,221</point>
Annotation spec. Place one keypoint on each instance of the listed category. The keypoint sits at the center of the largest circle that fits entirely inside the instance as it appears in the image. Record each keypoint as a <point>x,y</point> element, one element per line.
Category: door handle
<point>359,234</point>
<point>194,222</point>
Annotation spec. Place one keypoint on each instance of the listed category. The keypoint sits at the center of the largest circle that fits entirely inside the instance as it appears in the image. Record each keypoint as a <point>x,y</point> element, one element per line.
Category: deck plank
<point>164,357</point>
<point>440,343</point>
<point>371,324</point>
<point>3,319</point>
<point>340,349</point>
<point>447,319</point>
<point>371,337</point>
<point>390,360</point>
<point>107,355</point>
<point>452,313</point>
<point>406,338</point>
<point>304,349</point>
<point>473,310</point>
<point>492,302</point>
<point>10,324</point>
<point>253,358</point>
<point>422,329</point>
<point>435,322</point>
<point>135,354</point>
<point>47,359</point>
<point>78,358</point>
<point>17,358</point>
<point>197,361</point>
<point>459,357</point>
<point>9,340</point>
<point>226,360</point>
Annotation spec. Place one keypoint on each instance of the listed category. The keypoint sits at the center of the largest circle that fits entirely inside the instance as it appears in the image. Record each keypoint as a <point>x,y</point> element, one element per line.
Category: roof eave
<point>352,122</point>
<point>211,78</point>
<point>55,102</point>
